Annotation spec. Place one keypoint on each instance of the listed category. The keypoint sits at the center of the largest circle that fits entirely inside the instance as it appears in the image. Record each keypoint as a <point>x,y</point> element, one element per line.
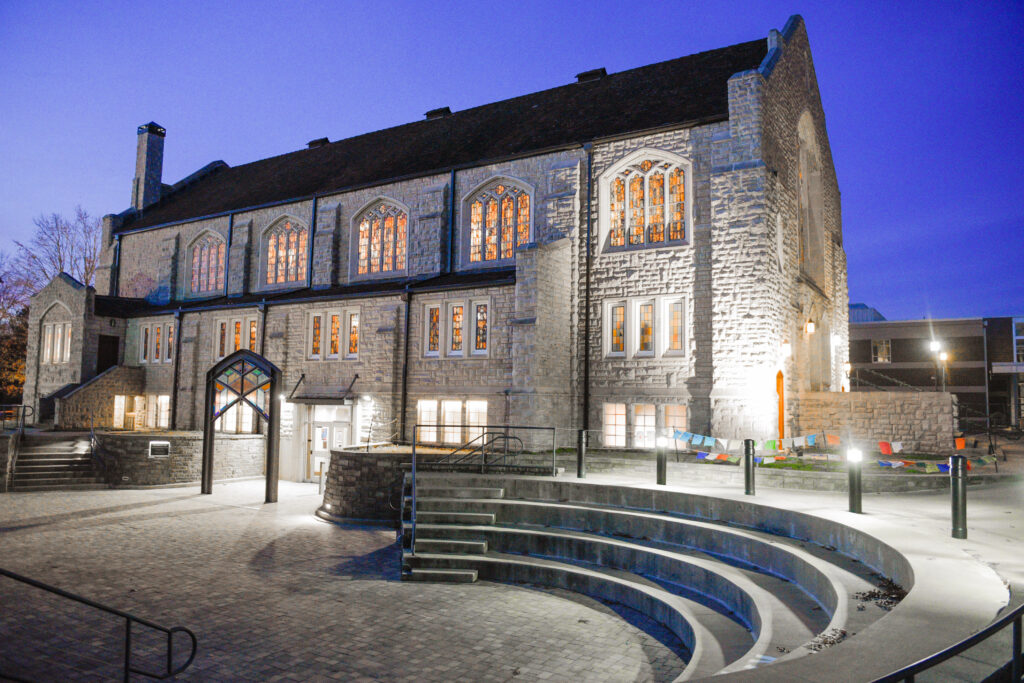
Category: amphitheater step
<point>459,492</point>
<point>447,545</point>
<point>449,517</point>
<point>441,575</point>
<point>63,485</point>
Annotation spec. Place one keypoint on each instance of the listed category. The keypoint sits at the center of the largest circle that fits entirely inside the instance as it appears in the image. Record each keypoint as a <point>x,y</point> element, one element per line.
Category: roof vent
<point>439,113</point>
<point>319,142</point>
<point>592,75</point>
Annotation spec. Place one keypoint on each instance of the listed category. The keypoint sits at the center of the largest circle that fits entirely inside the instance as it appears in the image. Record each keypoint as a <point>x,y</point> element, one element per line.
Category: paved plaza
<point>273,593</point>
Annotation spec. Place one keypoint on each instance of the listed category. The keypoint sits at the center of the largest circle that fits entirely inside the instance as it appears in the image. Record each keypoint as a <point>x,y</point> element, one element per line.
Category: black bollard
<point>853,466</point>
<point>581,454</point>
<point>662,462</point>
<point>748,467</point>
<point>958,489</point>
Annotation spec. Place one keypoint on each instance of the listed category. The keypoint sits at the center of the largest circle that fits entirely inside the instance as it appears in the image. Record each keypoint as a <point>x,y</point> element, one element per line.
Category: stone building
<point>644,250</point>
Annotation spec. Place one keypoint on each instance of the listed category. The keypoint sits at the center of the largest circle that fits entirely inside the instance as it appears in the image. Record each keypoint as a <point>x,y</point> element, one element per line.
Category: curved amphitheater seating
<point>738,596</point>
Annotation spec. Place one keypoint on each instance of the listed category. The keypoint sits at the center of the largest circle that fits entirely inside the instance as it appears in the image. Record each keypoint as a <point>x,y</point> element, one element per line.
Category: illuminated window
<point>426,417</point>
<point>476,418</point>
<point>353,335</point>
<point>643,426</point>
<point>451,418</point>
<point>234,334</point>
<point>335,336</point>
<point>675,420</point>
<point>617,342</point>
<point>315,333</point>
<point>499,221</point>
<point>119,406</point>
<point>433,330</point>
<point>383,231</point>
<point>252,335</point>
<point>455,329</point>
<point>615,425</point>
<point>645,328</point>
<point>56,343</point>
<point>674,326</point>
<point>163,411</point>
<point>480,328</point>
<point>287,252</point>
<point>169,354</point>
<point>222,340</point>
<point>881,351</point>
<point>208,265</point>
<point>144,346</point>
<point>156,343</point>
<point>646,203</point>
<point>238,334</point>
<point>67,342</point>
<point>47,340</point>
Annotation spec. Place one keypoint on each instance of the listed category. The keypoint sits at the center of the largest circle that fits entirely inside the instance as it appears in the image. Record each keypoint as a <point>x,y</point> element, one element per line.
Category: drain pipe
<point>309,247</point>
<point>117,266</point>
<point>451,221</point>
<point>589,149</point>
<point>407,296</point>
<point>227,254</point>
<point>262,308</point>
<point>178,315</point>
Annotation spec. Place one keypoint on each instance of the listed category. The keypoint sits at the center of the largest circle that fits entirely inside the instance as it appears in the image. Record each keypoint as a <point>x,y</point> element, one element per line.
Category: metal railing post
<point>958,491</point>
<point>748,467</point>
<point>581,454</point>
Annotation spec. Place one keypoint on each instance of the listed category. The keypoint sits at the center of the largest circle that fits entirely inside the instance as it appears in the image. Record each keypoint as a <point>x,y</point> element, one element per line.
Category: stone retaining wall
<point>92,404</point>
<point>127,461</point>
<point>923,421</point>
<point>7,443</point>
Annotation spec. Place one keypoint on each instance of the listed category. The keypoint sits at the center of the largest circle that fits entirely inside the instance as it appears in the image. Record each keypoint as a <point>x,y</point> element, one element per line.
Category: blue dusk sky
<point>924,104</point>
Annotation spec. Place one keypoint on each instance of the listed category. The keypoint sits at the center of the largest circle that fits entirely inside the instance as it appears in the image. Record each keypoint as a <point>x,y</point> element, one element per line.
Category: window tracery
<point>208,265</point>
<point>287,253</point>
<point>499,222</point>
<point>382,231</point>
<point>646,203</point>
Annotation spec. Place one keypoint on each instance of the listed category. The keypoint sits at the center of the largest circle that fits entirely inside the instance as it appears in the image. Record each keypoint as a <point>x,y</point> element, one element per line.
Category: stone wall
<point>924,422</point>
<point>92,403</point>
<point>127,461</point>
<point>364,486</point>
<point>8,442</point>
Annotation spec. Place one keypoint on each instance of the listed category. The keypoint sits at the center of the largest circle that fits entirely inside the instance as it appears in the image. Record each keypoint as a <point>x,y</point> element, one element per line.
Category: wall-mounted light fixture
<point>787,349</point>
<point>809,326</point>
<point>934,345</point>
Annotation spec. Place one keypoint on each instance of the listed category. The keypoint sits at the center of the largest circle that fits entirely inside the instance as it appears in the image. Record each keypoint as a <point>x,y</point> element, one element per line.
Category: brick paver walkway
<point>275,594</point>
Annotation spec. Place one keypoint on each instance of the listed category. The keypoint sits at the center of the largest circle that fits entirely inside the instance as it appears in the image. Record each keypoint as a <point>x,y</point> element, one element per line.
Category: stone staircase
<point>55,462</point>
<point>737,598</point>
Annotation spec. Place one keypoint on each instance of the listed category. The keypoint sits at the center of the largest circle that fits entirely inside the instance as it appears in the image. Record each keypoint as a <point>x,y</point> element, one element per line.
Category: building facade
<point>654,249</point>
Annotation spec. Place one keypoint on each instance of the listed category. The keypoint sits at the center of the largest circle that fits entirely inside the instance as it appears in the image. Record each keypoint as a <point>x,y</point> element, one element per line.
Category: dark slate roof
<point>123,307</point>
<point>688,89</point>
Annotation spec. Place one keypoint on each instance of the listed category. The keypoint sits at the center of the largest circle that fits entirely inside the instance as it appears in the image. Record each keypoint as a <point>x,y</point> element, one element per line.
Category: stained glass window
<point>382,239</point>
<point>238,334</point>
<point>252,335</point>
<point>314,346</point>
<point>646,328</point>
<point>145,344</point>
<point>208,265</point>
<point>287,253</point>
<point>170,342</point>
<point>675,338</point>
<point>335,344</point>
<point>481,328</point>
<point>221,347</point>
<point>433,329</point>
<point>499,221</point>
<point>640,213</point>
<point>156,344</point>
<point>456,335</point>
<point>618,329</point>
<point>353,334</point>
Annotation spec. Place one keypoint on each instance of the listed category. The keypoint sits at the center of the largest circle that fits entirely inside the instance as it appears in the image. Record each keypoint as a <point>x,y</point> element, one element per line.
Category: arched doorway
<point>782,404</point>
<point>243,380</point>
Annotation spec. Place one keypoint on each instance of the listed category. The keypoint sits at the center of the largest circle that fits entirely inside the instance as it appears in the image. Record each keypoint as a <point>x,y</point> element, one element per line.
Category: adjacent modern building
<point>653,249</point>
<point>980,360</point>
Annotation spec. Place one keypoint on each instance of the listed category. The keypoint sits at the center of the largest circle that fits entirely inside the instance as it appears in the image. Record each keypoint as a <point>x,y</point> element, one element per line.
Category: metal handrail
<point>487,439</point>
<point>129,618</point>
<point>17,412</point>
<point>95,449</point>
<point>1015,617</point>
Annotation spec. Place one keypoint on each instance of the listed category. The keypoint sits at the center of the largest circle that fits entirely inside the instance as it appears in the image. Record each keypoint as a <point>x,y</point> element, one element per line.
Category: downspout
<point>117,266</point>
<point>589,149</point>
<point>405,363</point>
<point>227,256</point>
<point>451,223</point>
<point>178,315</point>
<point>262,308</point>
<point>309,246</point>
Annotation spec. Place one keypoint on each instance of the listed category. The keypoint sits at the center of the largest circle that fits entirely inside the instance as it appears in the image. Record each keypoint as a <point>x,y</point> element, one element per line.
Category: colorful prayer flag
<point>943,467</point>
<point>832,439</point>
<point>687,436</point>
<point>769,445</point>
<point>798,442</point>
<point>768,460</point>
<point>960,444</point>
<point>702,455</point>
<point>885,447</point>
<point>931,467</point>
<point>733,458</point>
<point>811,439</point>
<point>725,444</point>
<point>721,456</point>
<point>709,441</point>
<point>897,446</point>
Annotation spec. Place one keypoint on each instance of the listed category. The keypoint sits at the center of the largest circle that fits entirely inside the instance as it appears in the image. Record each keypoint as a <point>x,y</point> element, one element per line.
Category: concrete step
<point>35,487</point>
<point>441,575</point>
<point>450,517</point>
<point>459,492</point>
<point>20,475</point>
<point>51,466</point>
<point>48,457</point>
<point>447,545</point>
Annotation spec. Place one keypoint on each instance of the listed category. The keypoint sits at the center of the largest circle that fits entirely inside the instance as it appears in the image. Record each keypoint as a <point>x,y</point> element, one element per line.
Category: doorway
<point>107,352</point>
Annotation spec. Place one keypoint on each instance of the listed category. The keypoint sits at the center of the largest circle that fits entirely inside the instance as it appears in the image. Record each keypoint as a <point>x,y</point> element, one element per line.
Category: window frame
<point>638,305</point>
<point>474,351</point>
<point>645,435</point>
<point>605,181</point>
<point>875,356</point>
<point>661,329</point>
<point>427,308</point>
<point>277,226</point>
<point>246,323</point>
<point>611,438</point>
<point>193,280</point>
<point>518,188</point>
<point>354,240</point>
<point>433,426</point>
<point>665,304</point>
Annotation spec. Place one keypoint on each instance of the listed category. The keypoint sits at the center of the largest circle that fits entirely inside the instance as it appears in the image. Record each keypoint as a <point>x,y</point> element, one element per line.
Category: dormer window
<point>383,235</point>
<point>499,222</point>
<point>208,265</point>
<point>287,252</point>
<point>645,202</point>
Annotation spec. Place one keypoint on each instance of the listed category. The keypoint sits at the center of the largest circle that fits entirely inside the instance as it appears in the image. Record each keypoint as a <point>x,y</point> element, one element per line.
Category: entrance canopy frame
<point>253,381</point>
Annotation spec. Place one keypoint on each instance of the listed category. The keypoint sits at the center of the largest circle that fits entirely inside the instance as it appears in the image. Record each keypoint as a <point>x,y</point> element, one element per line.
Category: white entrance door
<point>321,448</point>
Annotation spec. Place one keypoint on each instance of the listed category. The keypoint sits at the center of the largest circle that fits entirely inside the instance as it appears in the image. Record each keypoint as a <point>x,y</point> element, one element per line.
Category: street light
<point>934,345</point>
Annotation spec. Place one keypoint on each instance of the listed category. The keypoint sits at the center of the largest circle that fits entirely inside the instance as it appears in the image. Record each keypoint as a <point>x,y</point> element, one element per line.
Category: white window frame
<point>244,323</point>
<point>47,343</point>
<point>476,418</point>
<point>144,343</point>
<point>665,304</point>
<point>610,437</point>
<point>427,307</point>
<point>67,342</point>
<point>609,306</point>
<point>163,411</point>
<point>875,357</point>
<point>637,306</point>
<point>449,326</point>
<point>120,401</point>
<point>670,429</point>
<point>644,436</point>
<point>347,315</point>
<point>451,432</point>
<point>311,335</point>
<point>473,351</point>
<point>325,329</point>
<point>661,329</point>
<point>466,241</point>
<point>424,407</point>
<point>169,336</point>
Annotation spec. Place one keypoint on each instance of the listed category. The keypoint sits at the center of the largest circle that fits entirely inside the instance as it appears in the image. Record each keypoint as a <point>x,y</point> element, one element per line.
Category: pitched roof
<point>687,89</point>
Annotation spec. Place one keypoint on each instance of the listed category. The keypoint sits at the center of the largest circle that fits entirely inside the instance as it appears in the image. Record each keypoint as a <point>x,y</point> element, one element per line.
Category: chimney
<point>149,163</point>
<point>438,113</point>
<point>592,75</point>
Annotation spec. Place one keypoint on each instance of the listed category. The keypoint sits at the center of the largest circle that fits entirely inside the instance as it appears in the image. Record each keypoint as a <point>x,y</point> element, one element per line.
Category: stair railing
<point>128,669</point>
<point>96,450</point>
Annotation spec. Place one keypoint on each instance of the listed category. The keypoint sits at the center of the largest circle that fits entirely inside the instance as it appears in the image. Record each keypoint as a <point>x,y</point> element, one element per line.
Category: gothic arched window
<point>208,265</point>
<point>499,221</point>
<point>383,229</point>
<point>287,251</point>
<point>646,204</point>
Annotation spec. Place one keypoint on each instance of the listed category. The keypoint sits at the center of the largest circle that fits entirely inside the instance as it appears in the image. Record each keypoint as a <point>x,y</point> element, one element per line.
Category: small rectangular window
<point>170,344</point>
<point>618,329</point>
<point>353,335</point>
<point>675,420</point>
<point>163,411</point>
<point>157,334</point>
<point>615,425</point>
<point>881,351</point>
<point>480,328</point>
<point>433,330</point>
<point>645,328</point>
<point>47,335</point>
<point>426,417</point>
<point>118,421</point>
<point>476,418</point>
<point>151,407</point>
<point>238,335</point>
<point>335,336</point>
<point>252,335</point>
<point>674,326</point>
<point>643,426</point>
<point>315,333</point>
<point>58,338</point>
<point>67,342</point>
<point>451,414</point>
<point>455,329</point>
<point>144,346</point>
<point>222,340</point>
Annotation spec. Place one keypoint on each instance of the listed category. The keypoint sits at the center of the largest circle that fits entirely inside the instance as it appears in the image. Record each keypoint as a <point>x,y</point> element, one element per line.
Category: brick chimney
<point>149,163</point>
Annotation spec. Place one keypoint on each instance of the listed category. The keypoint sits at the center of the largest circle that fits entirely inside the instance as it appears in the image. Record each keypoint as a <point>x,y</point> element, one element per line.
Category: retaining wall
<point>127,461</point>
<point>92,404</point>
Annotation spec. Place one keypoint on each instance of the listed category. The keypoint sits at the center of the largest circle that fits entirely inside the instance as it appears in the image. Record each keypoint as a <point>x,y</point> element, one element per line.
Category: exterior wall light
<point>943,356</point>
<point>809,327</point>
<point>934,345</point>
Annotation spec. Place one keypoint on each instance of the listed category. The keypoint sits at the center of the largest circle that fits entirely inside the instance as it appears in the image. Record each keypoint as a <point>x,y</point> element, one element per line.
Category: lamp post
<point>853,466</point>
<point>661,444</point>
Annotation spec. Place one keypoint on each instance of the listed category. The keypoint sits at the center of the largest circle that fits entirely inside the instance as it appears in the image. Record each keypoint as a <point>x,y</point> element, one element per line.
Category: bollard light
<point>958,494</point>
<point>853,467</point>
<point>581,454</point>
<point>661,443</point>
<point>748,467</point>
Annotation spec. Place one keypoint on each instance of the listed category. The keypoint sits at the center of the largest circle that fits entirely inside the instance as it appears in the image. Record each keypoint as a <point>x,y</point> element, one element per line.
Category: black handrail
<point>129,618</point>
<point>1015,617</point>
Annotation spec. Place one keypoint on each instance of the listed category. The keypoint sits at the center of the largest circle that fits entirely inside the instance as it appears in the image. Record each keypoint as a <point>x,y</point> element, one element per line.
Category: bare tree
<point>59,246</point>
<point>14,292</point>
